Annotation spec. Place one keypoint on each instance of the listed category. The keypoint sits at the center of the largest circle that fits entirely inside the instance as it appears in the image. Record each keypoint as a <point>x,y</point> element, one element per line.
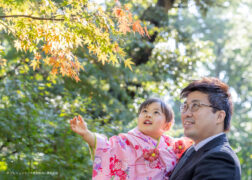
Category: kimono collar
<point>145,138</point>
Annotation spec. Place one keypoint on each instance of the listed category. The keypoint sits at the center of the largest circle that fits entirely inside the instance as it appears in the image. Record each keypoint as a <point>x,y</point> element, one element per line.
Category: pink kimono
<point>135,156</point>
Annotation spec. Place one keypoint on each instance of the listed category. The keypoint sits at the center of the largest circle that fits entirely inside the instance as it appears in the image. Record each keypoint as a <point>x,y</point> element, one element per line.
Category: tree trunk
<point>166,4</point>
<point>155,15</point>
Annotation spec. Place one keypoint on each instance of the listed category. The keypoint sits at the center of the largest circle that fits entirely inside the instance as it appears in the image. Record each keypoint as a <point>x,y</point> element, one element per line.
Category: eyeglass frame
<point>189,106</point>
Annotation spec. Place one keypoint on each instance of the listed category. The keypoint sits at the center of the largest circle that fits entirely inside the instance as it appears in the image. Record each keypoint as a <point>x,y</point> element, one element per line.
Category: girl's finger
<point>74,121</point>
<point>80,118</point>
<point>82,122</point>
<point>71,121</point>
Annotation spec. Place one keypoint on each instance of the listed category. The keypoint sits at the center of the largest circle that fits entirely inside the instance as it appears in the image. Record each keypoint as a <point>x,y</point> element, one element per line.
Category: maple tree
<point>55,30</point>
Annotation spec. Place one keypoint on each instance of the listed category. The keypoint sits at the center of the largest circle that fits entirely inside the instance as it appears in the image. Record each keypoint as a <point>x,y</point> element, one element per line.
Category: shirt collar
<point>205,141</point>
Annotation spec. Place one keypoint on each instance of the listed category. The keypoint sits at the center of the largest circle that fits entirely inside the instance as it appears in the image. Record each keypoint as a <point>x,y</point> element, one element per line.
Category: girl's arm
<point>79,126</point>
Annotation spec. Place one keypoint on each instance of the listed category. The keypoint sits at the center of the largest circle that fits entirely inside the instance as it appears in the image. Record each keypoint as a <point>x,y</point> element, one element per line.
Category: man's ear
<point>221,116</point>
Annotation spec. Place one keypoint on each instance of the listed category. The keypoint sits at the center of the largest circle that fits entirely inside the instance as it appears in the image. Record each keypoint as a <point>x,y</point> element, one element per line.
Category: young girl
<point>143,153</point>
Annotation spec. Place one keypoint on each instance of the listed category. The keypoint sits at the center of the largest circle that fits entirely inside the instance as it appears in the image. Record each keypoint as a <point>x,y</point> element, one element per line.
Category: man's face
<point>151,120</point>
<point>202,123</point>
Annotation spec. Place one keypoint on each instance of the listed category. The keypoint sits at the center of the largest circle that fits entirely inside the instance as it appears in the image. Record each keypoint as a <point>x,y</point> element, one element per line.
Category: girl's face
<point>151,121</point>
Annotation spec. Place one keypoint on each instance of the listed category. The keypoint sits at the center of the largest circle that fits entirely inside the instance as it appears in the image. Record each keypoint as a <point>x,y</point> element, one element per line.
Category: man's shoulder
<point>221,154</point>
<point>217,146</point>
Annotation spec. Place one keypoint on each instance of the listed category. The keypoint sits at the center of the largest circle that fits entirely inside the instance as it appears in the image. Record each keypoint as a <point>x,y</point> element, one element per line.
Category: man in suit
<point>206,115</point>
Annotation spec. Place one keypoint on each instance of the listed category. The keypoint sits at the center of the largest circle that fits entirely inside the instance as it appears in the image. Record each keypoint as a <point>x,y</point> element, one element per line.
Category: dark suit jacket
<point>214,161</point>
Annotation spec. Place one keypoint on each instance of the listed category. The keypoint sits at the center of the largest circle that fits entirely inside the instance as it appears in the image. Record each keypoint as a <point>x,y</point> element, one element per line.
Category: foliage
<point>53,30</point>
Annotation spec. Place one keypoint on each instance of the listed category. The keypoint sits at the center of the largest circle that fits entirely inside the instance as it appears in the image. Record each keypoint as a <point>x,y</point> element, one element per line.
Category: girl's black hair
<point>169,114</point>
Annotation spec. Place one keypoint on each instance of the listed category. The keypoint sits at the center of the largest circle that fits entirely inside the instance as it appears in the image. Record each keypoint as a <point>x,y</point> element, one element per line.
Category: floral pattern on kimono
<point>123,157</point>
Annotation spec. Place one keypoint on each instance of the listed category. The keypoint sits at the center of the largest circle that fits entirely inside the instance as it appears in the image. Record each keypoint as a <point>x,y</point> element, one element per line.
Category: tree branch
<point>32,17</point>
<point>13,152</point>
<point>4,144</point>
<point>7,27</point>
<point>2,147</point>
<point>179,6</point>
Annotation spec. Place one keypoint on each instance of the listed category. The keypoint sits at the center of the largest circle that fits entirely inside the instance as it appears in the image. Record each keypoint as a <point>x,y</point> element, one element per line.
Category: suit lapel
<point>183,159</point>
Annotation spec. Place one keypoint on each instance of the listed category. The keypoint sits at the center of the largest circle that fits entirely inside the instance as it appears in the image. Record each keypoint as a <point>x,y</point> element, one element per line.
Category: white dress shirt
<point>205,141</point>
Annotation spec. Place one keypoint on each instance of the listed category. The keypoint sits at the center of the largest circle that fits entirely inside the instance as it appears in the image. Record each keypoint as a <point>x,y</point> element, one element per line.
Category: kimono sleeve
<point>115,144</point>
<point>102,142</point>
<point>111,156</point>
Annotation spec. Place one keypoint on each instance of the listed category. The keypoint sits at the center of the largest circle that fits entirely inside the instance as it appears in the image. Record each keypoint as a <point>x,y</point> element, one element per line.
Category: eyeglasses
<point>193,107</point>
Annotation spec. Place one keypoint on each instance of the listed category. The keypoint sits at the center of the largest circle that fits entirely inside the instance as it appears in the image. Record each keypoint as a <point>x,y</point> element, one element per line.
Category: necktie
<point>182,161</point>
